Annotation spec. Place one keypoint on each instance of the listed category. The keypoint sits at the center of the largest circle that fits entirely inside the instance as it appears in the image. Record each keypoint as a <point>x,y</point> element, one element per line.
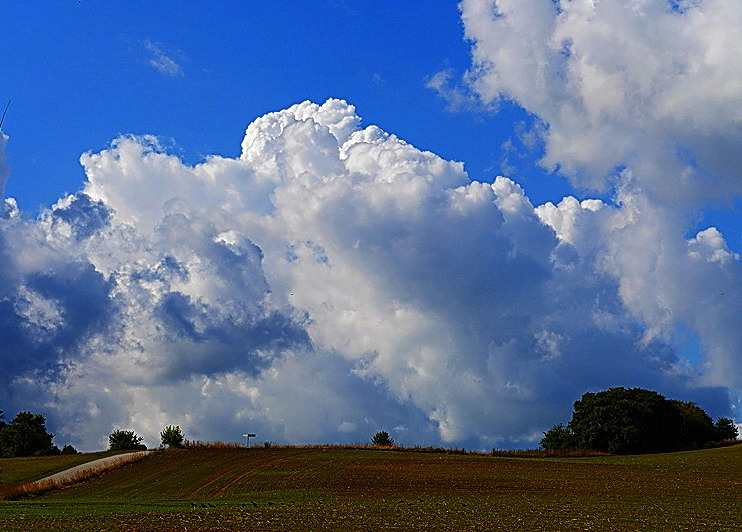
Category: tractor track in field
<point>233,478</point>
<point>236,479</point>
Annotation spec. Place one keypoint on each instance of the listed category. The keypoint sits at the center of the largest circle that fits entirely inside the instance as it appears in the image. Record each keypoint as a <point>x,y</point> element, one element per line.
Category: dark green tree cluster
<point>125,440</point>
<point>26,435</point>
<point>172,436</point>
<point>633,421</point>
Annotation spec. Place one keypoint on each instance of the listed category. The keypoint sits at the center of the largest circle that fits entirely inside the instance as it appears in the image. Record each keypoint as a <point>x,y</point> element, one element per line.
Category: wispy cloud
<point>162,61</point>
<point>457,94</point>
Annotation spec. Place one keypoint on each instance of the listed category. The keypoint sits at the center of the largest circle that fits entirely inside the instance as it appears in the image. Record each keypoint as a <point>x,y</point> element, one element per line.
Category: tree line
<point>634,421</point>
<point>26,435</point>
<point>617,421</point>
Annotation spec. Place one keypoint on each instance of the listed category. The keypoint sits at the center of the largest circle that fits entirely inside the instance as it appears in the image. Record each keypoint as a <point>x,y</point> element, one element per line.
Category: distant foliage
<point>382,439</point>
<point>68,449</point>
<point>633,421</point>
<point>558,438</point>
<point>26,435</point>
<point>172,436</point>
<point>725,429</point>
<point>122,440</point>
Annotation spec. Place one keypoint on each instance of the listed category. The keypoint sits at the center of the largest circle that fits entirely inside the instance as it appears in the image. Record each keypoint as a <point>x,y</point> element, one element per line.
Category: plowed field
<point>319,489</point>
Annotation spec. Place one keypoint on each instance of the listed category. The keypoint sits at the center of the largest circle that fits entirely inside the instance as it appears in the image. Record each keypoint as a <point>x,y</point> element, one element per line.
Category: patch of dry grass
<point>38,487</point>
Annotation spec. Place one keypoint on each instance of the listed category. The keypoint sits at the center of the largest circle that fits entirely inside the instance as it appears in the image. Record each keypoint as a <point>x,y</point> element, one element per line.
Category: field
<point>336,488</point>
<point>27,469</point>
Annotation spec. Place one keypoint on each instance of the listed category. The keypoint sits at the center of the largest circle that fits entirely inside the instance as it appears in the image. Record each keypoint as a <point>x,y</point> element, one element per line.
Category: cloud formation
<point>642,101</point>
<point>642,84</point>
<point>330,282</point>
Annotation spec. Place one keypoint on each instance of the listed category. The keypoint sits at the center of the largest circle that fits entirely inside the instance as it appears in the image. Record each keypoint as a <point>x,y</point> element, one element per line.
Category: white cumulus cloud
<point>648,84</point>
<point>332,281</point>
<point>641,100</point>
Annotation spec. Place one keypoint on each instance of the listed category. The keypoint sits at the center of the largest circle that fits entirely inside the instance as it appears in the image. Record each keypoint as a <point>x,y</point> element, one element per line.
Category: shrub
<point>725,430</point>
<point>121,440</point>
<point>172,436</point>
<point>382,439</point>
<point>68,449</point>
<point>558,438</point>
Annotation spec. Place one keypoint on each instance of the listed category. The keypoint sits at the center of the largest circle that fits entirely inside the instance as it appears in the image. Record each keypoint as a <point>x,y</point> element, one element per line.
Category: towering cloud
<point>334,280</point>
<point>644,84</point>
<point>640,99</point>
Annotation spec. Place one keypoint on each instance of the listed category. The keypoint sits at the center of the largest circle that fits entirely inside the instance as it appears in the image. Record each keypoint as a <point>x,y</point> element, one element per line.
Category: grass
<point>28,469</point>
<point>294,488</point>
<point>37,487</point>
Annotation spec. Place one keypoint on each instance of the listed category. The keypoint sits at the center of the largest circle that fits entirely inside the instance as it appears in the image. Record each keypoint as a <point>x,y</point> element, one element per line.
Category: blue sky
<point>316,278</point>
<point>84,71</point>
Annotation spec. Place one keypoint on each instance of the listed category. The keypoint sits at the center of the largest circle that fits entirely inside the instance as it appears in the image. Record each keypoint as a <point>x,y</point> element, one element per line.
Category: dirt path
<point>79,471</point>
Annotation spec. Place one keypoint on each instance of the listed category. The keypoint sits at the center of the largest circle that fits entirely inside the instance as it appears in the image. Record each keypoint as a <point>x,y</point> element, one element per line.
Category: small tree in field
<point>172,436</point>
<point>68,449</point>
<point>121,440</point>
<point>382,439</point>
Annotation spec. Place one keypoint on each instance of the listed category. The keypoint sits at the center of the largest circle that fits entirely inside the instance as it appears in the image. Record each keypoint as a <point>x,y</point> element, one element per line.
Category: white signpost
<point>247,438</point>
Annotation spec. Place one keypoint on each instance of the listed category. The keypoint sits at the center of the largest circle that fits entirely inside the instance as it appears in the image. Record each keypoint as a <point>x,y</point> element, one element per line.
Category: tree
<point>172,436</point>
<point>725,429</point>
<point>382,439</point>
<point>26,435</point>
<point>622,421</point>
<point>68,449</point>
<point>694,426</point>
<point>634,420</point>
<point>558,438</point>
<point>121,440</point>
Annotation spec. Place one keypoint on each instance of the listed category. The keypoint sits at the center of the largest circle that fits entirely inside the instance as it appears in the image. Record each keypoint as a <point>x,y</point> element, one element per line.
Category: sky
<point>315,220</point>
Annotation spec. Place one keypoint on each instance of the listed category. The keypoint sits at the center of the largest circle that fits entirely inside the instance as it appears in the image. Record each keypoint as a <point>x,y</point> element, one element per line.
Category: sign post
<point>247,438</point>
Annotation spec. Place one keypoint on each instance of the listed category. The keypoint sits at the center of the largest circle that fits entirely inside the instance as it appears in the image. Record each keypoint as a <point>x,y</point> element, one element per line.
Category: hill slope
<point>294,488</point>
<point>29,468</point>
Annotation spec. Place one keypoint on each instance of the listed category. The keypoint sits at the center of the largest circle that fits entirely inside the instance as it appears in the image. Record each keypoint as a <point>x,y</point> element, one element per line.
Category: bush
<point>725,430</point>
<point>124,440</point>
<point>172,436</point>
<point>382,439</point>
<point>558,438</point>
<point>68,449</point>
